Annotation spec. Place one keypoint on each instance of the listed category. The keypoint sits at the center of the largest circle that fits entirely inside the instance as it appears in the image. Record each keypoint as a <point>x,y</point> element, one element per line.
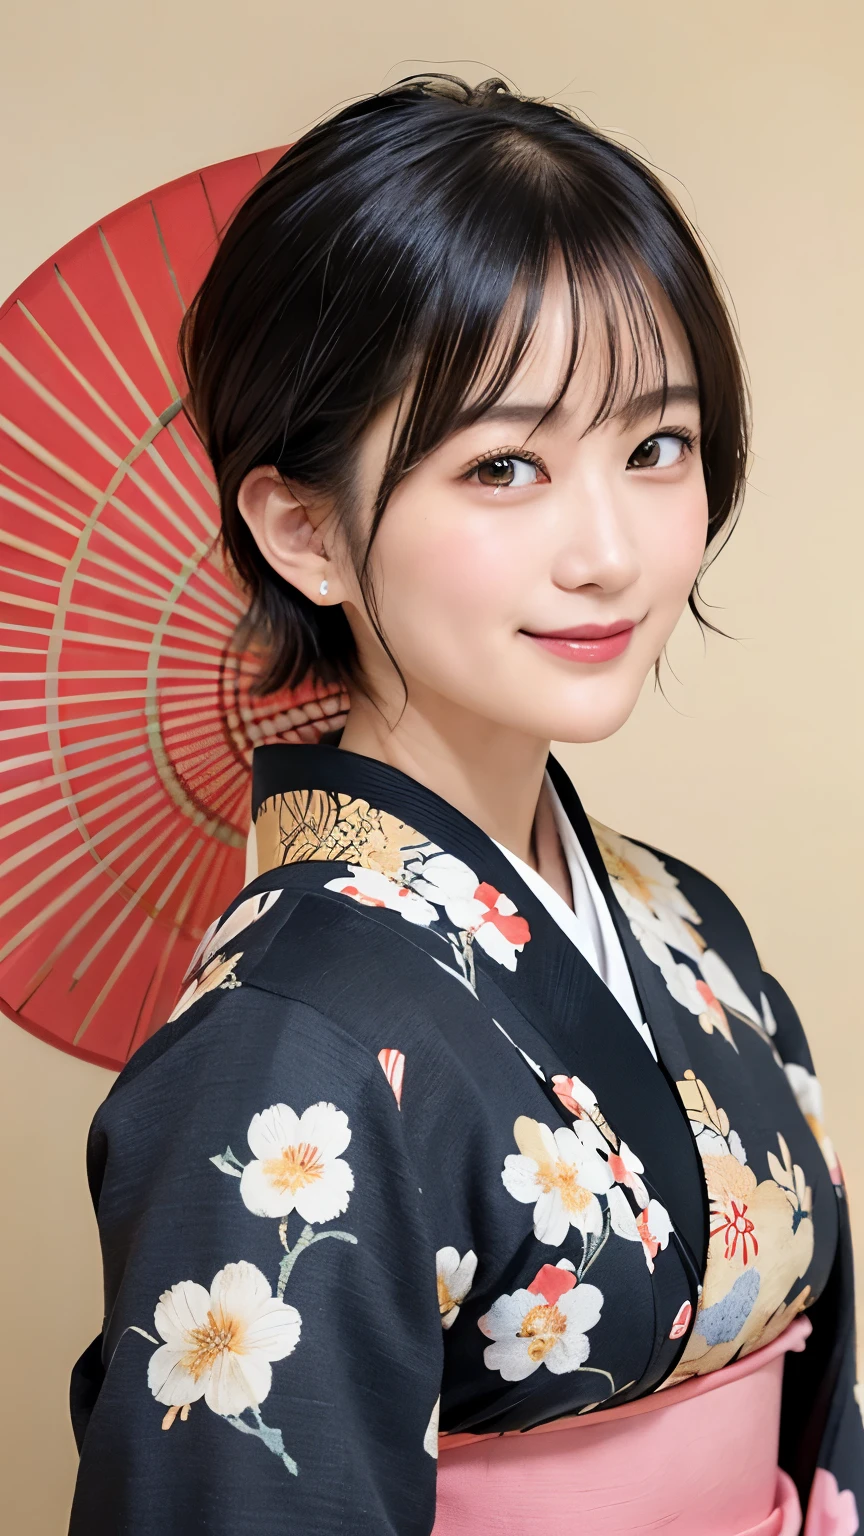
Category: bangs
<point>475,334</point>
<point>611,316</point>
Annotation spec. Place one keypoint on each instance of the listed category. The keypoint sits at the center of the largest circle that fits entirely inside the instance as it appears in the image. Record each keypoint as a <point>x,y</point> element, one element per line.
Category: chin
<point>589,723</point>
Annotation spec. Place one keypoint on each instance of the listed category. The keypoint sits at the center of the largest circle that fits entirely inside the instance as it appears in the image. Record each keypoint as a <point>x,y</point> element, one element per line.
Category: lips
<point>584,631</point>
<point>586,642</point>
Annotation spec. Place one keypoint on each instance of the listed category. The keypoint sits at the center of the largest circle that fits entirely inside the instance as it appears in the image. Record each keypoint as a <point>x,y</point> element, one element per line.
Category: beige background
<point>752,769</point>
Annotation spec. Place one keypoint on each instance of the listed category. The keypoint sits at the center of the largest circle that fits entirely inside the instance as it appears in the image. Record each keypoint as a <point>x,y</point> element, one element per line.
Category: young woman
<point>478,1179</point>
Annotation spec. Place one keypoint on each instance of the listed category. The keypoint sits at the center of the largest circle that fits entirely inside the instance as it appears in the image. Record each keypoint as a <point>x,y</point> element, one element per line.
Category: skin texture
<point>465,573</point>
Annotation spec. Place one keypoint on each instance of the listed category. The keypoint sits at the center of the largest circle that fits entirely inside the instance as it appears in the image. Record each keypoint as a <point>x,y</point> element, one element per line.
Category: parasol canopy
<point>126,719</point>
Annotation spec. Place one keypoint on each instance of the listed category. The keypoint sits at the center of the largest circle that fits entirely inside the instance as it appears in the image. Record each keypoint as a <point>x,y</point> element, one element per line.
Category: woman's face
<point>532,577</point>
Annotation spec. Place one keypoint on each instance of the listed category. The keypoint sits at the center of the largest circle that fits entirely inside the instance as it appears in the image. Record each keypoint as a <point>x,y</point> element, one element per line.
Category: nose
<point>596,547</point>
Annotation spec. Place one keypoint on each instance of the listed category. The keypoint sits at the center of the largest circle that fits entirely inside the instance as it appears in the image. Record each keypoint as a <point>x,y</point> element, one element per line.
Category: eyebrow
<point>633,411</point>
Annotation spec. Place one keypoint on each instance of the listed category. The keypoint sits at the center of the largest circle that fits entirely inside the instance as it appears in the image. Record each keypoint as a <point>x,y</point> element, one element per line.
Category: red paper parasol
<point>127,724</point>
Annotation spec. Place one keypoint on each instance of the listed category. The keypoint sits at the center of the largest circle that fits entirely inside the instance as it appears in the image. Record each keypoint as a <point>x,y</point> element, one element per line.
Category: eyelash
<point>523,455</point>
<point>683,434</point>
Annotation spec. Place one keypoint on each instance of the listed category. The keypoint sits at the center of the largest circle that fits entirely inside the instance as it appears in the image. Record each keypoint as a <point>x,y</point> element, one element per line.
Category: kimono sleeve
<point>822,1435</point>
<point>272,1349</point>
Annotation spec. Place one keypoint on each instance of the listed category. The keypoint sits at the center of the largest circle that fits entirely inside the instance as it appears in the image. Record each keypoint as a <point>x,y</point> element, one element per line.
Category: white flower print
<point>430,1439</point>
<point>455,1278</point>
<point>663,920</point>
<point>650,1223</point>
<point>808,1093</point>
<point>582,1104</point>
<point>696,993</point>
<point>219,1344</point>
<point>561,1175</point>
<point>655,1230</point>
<point>575,1096</point>
<point>222,931</point>
<point>807,1090</point>
<point>688,989</point>
<point>647,892</point>
<point>651,1227</point>
<point>372,889</point>
<point>626,1169</point>
<point>546,1325</point>
<point>218,972</point>
<point>621,1215</point>
<point>212,965</point>
<point>769,1023</point>
<point>475,907</point>
<point>297,1163</point>
<point>726,989</point>
<point>429,880</point>
<point>710,1125</point>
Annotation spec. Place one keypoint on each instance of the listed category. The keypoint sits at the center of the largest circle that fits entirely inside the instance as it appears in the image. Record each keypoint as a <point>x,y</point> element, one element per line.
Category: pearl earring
<point>324,588</point>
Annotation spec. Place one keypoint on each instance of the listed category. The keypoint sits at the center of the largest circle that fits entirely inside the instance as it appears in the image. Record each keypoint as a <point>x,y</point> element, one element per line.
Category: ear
<point>289,533</point>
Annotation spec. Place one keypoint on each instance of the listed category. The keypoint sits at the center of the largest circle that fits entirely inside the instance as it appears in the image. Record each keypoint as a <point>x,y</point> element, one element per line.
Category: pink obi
<point>699,1459</point>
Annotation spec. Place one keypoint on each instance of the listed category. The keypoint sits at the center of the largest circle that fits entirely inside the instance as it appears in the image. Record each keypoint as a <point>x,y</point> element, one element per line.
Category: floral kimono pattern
<point>388,1042</point>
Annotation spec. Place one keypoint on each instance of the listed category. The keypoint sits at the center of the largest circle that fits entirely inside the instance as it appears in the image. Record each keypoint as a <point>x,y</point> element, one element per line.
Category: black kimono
<point>401,1161</point>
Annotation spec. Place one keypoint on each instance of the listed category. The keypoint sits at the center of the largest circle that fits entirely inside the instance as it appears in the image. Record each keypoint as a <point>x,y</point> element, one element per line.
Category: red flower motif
<point>550,1282</point>
<point>513,927</point>
<point>365,901</point>
<point>682,1321</point>
<point>567,1091</point>
<point>737,1227</point>
<point>708,996</point>
<point>392,1063</point>
<point>649,1241</point>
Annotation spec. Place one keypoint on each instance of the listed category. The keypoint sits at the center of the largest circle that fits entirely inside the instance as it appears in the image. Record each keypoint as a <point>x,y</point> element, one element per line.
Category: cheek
<point>463,569</point>
<point>673,546</point>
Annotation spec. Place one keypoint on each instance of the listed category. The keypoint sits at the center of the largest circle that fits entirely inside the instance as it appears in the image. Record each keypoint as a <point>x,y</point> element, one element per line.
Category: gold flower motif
<point>313,824</point>
<point>758,1228</point>
<point>218,972</point>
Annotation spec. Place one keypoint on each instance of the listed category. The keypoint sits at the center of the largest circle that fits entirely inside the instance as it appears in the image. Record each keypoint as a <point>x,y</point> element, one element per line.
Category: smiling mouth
<point>586,642</point>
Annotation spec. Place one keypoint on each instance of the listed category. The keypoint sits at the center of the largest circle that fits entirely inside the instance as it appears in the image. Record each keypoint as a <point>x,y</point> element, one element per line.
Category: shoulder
<point>289,978</point>
<point>229,1048</point>
<point>674,909</point>
<point>672,903</point>
<point>644,876</point>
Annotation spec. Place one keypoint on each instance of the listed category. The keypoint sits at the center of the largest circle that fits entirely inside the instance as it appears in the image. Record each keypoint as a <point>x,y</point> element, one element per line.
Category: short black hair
<point>378,256</point>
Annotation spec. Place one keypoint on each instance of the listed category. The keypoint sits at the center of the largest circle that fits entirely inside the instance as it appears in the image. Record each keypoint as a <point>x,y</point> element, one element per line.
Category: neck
<point>489,772</point>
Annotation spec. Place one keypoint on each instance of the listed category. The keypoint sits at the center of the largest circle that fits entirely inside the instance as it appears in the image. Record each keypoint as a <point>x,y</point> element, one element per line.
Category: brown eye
<point>646,455</point>
<point>495,472</point>
<point>506,470</point>
<point>659,452</point>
